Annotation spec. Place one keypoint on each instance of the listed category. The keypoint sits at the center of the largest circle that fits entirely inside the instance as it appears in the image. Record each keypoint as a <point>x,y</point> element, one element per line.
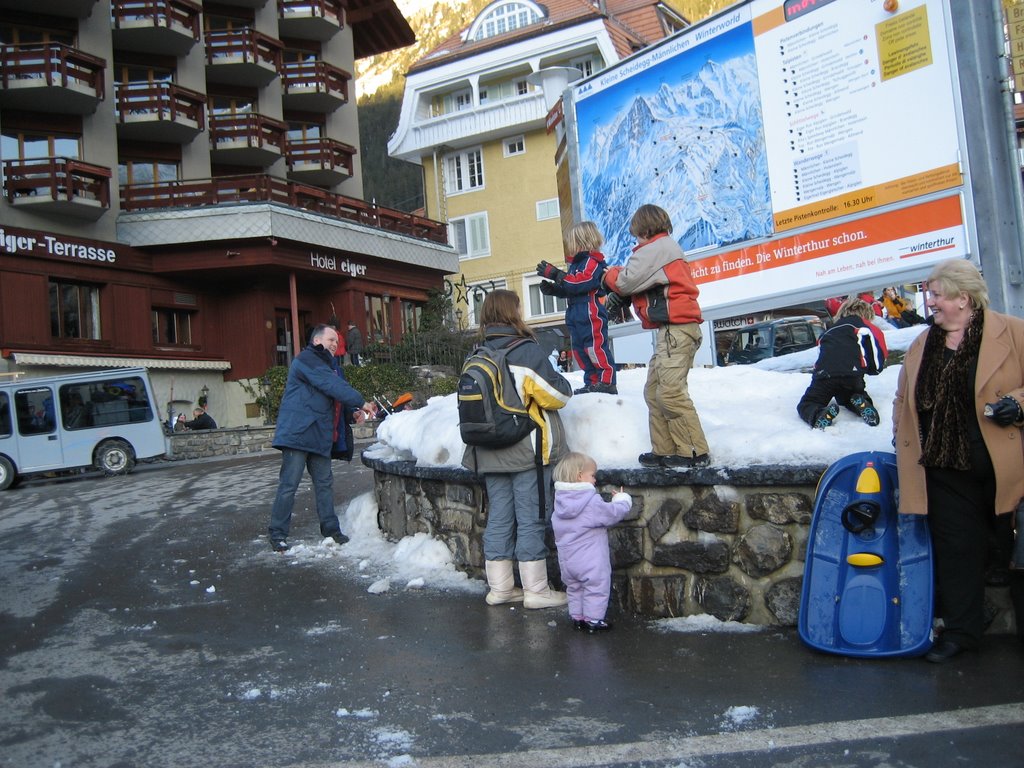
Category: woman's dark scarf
<point>944,392</point>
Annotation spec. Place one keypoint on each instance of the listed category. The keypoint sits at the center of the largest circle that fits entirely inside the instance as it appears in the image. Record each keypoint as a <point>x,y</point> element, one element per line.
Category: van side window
<point>111,401</point>
<point>5,415</point>
<point>74,412</point>
<point>36,414</point>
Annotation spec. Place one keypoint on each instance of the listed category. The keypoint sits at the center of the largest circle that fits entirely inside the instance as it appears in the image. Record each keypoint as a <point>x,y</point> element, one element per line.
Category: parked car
<point>773,338</point>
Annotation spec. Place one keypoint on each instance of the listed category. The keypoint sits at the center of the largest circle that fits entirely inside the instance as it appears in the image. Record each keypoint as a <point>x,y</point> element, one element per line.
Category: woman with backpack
<point>518,477</point>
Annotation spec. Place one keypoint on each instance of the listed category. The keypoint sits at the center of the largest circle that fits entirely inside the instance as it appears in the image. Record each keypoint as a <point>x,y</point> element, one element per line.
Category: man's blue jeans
<point>293,463</point>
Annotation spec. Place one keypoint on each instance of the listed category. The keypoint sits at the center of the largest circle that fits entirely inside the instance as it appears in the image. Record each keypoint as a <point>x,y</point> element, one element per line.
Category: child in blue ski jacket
<point>586,317</point>
<point>849,349</point>
<point>580,522</point>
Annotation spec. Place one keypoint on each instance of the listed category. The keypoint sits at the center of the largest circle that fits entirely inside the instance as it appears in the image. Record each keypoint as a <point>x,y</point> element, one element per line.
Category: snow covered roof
<point>631,24</point>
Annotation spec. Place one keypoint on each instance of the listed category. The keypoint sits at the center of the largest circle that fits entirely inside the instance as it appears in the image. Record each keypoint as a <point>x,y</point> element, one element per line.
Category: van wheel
<point>115,457</point>
<point>7,473</point>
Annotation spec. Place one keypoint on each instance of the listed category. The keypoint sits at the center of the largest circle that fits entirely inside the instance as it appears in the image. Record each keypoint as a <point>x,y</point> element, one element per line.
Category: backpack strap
<point>539,463</point>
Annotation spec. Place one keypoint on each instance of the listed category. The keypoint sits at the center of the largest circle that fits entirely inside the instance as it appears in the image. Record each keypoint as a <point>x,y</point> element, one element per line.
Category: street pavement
<point>145,622</point>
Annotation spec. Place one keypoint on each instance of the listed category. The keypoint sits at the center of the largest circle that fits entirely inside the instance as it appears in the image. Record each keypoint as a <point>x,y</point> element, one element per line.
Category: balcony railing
<point>74,77</point>
<point>260,188</point>
<point>156,26</point>
<point>242,57</point>
<point>247,138</point>
<point>494,119</point>
<point>319,161</point>
<point>58,180</point>
<point>310,19</point>
<point>159,111</point>
<point>314,86</point>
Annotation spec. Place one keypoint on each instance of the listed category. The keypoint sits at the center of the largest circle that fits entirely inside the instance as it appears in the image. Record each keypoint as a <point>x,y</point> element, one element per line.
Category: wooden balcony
<point>72,9</point>
<point>245,3</point>
<point>310,19</point>
<point>58,186</point>
<point>242,57</point>
<point>162,112</point>
<point>232,190</point>
<point>246,139</point>
<point>50,78</point>
<point>165,27</point>
<point>314,86</point>
<point>324,162</point>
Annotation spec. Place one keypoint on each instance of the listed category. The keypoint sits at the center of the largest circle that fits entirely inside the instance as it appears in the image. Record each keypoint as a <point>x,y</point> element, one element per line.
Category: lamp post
<point>204,394</point>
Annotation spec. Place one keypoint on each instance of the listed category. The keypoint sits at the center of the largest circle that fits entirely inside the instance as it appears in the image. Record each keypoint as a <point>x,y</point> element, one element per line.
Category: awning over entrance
<point>88,361</point>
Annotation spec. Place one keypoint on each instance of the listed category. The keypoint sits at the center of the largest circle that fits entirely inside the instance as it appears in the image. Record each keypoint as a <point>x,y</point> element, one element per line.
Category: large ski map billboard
<point>795,145</point>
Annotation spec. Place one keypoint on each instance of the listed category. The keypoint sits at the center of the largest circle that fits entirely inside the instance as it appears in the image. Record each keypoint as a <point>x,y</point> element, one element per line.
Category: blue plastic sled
<point>868,581</point>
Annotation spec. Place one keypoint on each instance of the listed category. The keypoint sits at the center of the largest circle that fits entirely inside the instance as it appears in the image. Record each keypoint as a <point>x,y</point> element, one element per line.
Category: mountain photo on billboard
<point>687,135</point>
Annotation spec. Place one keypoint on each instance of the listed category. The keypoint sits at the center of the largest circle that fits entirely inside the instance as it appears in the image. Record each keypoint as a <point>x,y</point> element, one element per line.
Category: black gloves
<point>1004,412</point>
<point>548,288</point>
<point>618,308</point>
<point>550,271</point>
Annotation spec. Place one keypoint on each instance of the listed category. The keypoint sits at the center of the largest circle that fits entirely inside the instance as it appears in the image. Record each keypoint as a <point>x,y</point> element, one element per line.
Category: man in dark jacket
<point>200,420</point>
<point>305,434</point>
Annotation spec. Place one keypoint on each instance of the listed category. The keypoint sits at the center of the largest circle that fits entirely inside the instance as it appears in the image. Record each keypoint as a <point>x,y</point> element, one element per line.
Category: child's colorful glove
<point>550,271</point>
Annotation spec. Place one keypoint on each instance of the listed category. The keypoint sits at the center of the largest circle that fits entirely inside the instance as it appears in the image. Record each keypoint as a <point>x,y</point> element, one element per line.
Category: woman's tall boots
<point>537,593</point>
<point>501,583</point>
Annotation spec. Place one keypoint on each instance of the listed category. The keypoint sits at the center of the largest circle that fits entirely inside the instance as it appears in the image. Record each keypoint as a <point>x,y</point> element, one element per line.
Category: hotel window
<point>232,105</point>
<point>412,314</point>
<point>547,209</point>
<point>586,65</point>
<point>463,171</point>
<point>378,313</point>
<point>469,236</point>
<point>35,145</point>
<point>138,88</point>
<point>539,304</point>
<point>74,310</point>
<point>172,326</point>
<point>146,172</point>
<point>515,145</point>
<point>504,17</point>
<point>505,89</point>
<point>305,130</point>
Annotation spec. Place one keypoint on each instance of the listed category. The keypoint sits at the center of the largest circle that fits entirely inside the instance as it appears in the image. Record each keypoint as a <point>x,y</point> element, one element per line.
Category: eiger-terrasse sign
<point>49,245</point>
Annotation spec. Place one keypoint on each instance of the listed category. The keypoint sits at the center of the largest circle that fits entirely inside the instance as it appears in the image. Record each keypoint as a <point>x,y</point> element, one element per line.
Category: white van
<point>103,419</point>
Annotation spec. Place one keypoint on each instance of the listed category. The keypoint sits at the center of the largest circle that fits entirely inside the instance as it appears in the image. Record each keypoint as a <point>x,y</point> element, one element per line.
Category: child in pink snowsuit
<point>580,521</point>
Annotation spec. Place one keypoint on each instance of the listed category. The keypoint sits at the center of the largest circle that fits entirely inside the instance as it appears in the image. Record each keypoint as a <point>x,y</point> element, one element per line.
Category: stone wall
<point>706,541</point>
<point>236,441</point>
<point>208,443</point>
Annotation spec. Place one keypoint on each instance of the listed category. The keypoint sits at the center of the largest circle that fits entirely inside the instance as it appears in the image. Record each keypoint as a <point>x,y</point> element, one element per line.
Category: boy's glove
<point>1004,412</point>
<point>617,308</point>
<point>548,288</point>
<point>550,271</point>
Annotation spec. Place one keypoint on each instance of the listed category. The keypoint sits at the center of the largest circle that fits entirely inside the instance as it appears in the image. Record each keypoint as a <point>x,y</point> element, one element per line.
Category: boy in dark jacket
<point>849,349</point>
